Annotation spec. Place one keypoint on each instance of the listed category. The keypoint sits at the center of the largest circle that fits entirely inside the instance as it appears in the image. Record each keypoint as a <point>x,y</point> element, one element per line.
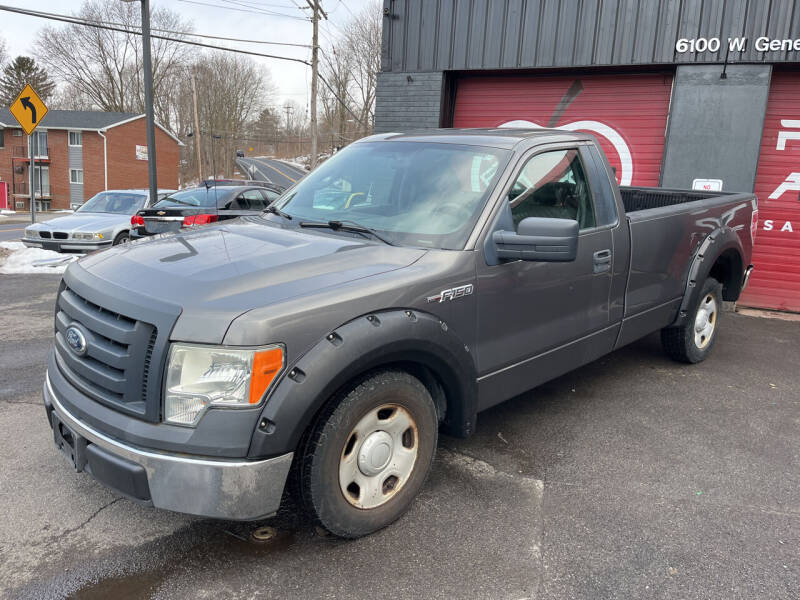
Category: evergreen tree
<point>23,70</point>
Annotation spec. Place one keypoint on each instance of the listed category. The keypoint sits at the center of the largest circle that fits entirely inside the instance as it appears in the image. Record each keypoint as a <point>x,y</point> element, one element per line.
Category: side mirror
<point>539,239</point>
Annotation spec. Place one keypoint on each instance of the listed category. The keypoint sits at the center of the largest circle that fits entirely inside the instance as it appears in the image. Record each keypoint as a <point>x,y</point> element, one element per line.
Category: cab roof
<point>498,137</point>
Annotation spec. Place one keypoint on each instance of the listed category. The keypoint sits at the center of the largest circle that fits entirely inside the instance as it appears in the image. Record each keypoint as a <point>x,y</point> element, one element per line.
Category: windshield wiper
<point>277,211</point>
<point>346,226</point>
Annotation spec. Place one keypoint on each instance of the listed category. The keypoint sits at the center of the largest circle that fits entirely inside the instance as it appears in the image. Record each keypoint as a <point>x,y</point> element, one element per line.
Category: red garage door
<point>627,113</point>
<point>776,255</point>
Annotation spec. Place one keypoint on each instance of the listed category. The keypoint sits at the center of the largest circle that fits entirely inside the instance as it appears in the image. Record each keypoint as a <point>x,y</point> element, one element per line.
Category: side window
<point>269,196</point>
<point>254,200</point>
<point>554,185</point>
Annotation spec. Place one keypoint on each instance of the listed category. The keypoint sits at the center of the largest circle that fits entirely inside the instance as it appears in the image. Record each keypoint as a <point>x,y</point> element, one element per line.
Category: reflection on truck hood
<point>218,272</point>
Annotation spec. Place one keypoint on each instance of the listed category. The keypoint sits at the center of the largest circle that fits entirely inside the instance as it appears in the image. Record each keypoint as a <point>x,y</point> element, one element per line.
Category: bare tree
<point>350,66</point>
<point>363,38</point>
<point>232,91</point>
<point>337,66</point>
<point>105,65</point>
<point>3,52</point>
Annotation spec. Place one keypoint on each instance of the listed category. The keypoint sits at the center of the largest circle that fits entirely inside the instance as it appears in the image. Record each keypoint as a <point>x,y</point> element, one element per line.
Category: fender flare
<point>358,346</point>
<point>713,246</point>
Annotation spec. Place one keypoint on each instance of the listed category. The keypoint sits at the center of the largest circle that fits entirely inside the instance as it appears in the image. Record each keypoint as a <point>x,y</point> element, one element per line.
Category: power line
<point>251,10</point>
<point>78,21</point>
<point>86,23</point>
<point>136,28</point>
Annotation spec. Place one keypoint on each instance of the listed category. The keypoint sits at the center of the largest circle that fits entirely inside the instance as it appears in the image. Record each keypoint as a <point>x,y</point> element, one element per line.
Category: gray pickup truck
<point>404,286</point>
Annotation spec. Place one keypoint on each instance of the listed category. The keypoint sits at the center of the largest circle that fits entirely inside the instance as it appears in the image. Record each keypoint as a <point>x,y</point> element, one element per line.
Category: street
<point>11,232</point>
<point>272,170</point>
<point>632,477</point>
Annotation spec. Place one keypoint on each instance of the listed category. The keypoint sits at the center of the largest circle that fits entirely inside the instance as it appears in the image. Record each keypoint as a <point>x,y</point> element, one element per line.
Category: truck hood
<point>215,273</point>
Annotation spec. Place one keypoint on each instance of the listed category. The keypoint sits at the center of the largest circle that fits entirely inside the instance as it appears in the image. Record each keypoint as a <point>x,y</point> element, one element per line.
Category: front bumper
<point>65,245</point>
<point>234,489</point>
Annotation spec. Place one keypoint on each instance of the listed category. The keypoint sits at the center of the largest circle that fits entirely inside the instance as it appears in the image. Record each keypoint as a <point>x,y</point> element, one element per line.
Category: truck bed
<point>666,228</point>
<point>643,198</point>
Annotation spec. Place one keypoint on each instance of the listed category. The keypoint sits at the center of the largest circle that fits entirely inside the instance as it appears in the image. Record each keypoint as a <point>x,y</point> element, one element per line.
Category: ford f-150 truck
<point>404,286</point>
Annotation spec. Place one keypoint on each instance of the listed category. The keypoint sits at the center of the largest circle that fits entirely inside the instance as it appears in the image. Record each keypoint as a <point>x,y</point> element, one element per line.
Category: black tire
<point>122,238</point>
<point>680,343</point>
<point>320,490</point>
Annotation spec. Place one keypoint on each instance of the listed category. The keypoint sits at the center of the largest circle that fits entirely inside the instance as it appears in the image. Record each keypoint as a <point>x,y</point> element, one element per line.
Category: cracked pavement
<point>633,477</point>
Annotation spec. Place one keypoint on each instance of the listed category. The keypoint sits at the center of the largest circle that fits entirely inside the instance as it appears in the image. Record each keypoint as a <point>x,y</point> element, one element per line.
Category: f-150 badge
<point>452,293</point>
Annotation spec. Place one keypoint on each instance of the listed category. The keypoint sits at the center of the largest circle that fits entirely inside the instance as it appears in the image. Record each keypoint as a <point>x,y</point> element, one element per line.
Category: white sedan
<point>103,220</point>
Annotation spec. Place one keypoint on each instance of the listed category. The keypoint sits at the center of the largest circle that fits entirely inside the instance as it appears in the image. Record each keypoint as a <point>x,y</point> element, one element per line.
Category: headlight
<point>87,236</point>
<point>30,233</point>
<point>202,376</point>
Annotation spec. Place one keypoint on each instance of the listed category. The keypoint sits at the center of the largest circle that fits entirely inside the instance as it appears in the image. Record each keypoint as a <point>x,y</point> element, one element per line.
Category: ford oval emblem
<point>76,340</point>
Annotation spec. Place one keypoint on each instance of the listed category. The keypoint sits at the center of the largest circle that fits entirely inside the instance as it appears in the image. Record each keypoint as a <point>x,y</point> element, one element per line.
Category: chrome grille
<point>116,366</point>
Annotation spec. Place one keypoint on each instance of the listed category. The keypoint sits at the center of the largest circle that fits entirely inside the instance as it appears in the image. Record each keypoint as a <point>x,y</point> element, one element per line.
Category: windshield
<point>120,203</point>
<point>200,196</point>
<point>414,193</point>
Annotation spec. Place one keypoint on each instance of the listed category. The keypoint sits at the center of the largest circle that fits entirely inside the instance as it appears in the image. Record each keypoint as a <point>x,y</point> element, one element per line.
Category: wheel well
<point>728,271</point>
<point>443,396</point>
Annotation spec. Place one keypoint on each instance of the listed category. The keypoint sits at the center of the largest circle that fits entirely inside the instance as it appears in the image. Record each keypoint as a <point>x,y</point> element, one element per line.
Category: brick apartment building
<point>79,153</point>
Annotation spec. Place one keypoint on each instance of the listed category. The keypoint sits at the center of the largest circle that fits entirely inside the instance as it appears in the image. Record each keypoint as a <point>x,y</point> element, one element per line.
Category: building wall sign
<point>141,152</point>
<point>707,185</point>
<point>776,280</point>
<point>735,44</point>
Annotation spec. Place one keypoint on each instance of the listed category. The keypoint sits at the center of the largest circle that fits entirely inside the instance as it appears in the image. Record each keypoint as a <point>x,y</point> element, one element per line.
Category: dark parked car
<point>404,286</point>
<point>201,206</point>
<point>240,154</point>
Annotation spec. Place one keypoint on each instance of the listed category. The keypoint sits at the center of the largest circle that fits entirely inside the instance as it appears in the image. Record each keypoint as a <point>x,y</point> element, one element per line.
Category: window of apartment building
<point>76,176</point>
<point>40,149</point>
<point>75,138</point>
<point>2,140</point>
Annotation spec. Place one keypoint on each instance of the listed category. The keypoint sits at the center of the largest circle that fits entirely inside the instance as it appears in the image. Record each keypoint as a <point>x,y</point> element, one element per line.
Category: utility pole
<point>197,133</point>
<point>147,65</point>
<point>288,109</point>
<point>316,10</point>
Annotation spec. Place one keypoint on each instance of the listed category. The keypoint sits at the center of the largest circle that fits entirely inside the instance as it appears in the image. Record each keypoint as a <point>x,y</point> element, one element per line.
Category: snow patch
<point>16,259</point>
<point>5,211</point>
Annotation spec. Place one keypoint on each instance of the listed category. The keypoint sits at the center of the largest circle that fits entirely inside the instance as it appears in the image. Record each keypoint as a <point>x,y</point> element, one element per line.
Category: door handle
<point>602,261</point>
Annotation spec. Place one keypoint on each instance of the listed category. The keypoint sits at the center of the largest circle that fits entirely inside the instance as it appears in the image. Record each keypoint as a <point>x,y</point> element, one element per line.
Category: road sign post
<point>29,110</point>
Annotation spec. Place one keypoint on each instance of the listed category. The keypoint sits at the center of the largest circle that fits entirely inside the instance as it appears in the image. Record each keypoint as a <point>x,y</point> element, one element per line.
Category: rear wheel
<point>692,342</point>
<point>369,454</point>
<point>122,238</point>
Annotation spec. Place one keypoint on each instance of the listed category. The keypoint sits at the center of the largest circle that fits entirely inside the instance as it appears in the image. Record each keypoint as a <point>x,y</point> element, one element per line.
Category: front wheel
<point>122,238</point>
<point>692,342</point>
<point>369,454</point>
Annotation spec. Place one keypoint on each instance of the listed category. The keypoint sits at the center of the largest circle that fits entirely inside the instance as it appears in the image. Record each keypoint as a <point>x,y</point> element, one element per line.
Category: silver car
<point>103,220</point>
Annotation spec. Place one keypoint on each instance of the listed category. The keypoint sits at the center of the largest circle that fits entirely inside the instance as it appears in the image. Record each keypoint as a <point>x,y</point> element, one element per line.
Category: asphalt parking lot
<point>633,477</point>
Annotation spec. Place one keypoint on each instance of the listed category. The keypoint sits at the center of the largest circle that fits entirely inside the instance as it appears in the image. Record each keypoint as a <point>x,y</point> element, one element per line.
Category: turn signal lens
<point>266,366</point>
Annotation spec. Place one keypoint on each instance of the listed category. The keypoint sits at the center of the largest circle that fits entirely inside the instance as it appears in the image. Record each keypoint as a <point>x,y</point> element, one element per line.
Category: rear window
<point>194,197</point>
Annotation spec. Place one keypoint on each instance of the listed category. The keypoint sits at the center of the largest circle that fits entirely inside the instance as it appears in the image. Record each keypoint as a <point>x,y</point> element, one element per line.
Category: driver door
<point>537,320</point>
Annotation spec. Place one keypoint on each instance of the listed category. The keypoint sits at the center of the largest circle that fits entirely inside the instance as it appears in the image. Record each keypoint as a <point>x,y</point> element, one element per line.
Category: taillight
<point>198,219</point>
<point>754,225</point>
<point>137,221</point>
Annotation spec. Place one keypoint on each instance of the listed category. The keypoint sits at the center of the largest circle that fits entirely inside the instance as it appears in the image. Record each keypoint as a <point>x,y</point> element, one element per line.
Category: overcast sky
<point>219,17</point>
